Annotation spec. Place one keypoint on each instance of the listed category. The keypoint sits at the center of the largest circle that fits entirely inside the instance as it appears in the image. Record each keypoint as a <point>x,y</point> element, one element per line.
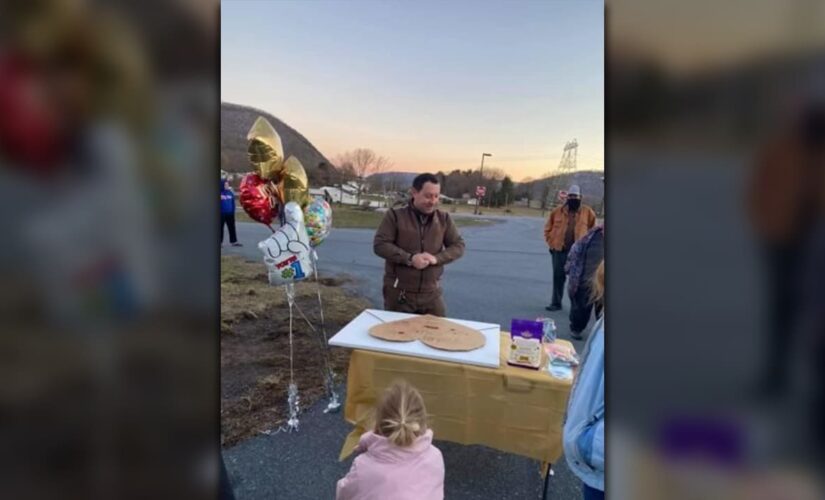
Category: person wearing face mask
<point>566,225</point>
<point>417,241</point>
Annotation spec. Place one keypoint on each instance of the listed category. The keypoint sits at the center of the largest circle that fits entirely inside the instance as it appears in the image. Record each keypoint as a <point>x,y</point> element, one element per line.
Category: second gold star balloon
<point>295,182</point>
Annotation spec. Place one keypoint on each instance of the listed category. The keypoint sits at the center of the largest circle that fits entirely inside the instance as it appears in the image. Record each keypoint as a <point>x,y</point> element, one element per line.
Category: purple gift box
<point>526,328</point>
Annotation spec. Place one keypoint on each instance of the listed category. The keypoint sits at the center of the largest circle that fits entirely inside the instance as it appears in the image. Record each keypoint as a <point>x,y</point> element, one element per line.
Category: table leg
<point>546,481</point>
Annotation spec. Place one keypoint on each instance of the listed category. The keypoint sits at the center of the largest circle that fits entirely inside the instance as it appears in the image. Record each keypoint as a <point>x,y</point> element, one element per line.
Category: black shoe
<point>576,336</point>
<point>553,307</point>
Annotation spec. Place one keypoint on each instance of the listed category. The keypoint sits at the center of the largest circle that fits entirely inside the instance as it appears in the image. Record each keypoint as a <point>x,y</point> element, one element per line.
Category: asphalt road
<point>505,273</point>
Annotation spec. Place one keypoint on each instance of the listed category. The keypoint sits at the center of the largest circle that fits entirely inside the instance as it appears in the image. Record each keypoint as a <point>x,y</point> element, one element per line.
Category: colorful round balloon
<point>318,221</point>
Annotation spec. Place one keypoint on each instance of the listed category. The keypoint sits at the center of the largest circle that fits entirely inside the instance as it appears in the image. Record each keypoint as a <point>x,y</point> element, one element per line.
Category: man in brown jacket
<point>786,201</point>
<point>564,227</point>
<point>417,240</point>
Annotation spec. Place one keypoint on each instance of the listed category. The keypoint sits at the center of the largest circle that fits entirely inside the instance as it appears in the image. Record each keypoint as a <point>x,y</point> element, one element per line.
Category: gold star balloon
<point>295,183</point>
<point>266,153</point>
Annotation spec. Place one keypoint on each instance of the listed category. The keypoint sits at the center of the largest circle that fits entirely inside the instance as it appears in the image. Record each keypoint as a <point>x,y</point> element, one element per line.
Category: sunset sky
<point>429,84</point>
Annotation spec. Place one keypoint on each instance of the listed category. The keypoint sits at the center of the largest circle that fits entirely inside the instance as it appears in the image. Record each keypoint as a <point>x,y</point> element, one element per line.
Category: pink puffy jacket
<point>384,470</point>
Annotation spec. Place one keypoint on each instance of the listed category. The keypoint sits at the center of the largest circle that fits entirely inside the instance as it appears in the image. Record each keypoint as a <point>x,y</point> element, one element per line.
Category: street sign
<point>480,191</point>
<point>562,195</point>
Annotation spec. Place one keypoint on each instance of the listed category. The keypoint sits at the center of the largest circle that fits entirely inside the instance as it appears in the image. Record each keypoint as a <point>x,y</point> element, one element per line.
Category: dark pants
<point>414,303</point>
<point>783,311</point>
<point>581,305</point>
<point>559,259</point>
<point>813,302</point>
<point>589,493</point>
<point>229,220</point>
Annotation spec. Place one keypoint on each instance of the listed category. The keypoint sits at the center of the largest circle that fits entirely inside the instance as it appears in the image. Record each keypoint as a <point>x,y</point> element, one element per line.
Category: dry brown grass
<point>255,346</point>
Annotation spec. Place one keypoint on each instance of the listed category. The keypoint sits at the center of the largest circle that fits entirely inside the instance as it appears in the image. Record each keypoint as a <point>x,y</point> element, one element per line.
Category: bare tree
<point>491,180</point>
<point>524,189</point>
<point>363,162</point>
<point>390,187</point>
<point>344,172</point>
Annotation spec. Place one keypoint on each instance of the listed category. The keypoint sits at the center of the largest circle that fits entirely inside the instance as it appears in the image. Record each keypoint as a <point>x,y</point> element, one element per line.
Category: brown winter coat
<point>401,235</point>
<point>556,225</point>
<point>785,187</point>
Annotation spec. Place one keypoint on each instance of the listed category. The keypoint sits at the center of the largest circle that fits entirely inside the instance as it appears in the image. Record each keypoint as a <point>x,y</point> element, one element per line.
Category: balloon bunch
<point>277,182</point>
<point>278,189</point>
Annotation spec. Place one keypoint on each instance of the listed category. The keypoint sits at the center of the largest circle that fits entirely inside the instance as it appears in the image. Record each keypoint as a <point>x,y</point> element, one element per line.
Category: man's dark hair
<point>418,182</point>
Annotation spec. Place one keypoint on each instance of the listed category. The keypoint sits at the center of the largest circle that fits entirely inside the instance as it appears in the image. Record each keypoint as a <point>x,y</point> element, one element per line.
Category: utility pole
<point>481,172</point>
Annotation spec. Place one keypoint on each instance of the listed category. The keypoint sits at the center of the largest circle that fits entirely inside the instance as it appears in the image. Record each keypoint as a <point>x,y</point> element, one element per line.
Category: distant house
<point>346,196</point>
<point>352,186</point>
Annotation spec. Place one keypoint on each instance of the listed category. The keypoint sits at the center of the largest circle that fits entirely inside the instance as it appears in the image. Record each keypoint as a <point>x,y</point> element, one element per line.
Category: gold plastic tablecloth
<point>512,409</point>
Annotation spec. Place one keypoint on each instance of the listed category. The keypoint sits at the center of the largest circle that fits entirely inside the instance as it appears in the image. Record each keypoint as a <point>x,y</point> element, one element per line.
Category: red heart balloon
<point>29,131</point>
<point>257,200</point>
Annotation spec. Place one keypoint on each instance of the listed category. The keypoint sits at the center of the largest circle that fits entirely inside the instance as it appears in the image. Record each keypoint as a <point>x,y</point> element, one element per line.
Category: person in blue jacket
<point>228,213</point>
<point>583,436</point>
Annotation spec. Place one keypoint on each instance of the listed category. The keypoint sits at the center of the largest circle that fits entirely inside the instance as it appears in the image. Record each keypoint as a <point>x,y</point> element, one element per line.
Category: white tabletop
<point>355,335</point>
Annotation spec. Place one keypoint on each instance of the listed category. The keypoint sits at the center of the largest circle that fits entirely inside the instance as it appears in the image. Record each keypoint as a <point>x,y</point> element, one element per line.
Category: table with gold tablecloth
<point>511,409</point>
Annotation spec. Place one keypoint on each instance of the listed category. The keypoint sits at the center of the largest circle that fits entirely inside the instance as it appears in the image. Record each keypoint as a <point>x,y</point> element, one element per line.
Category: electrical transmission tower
<point>555,178</point>
<point>568,157</point>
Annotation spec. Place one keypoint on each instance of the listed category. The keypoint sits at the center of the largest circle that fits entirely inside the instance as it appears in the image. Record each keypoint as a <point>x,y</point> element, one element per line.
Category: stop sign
<point>562,195</point>
<point>481,191</point>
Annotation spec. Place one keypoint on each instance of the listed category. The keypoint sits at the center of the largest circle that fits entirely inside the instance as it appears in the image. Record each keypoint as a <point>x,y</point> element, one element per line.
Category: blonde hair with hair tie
<point>400,415</point>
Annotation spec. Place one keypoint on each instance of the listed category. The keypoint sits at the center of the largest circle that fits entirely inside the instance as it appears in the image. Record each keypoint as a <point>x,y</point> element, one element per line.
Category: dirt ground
<point>255,346</point>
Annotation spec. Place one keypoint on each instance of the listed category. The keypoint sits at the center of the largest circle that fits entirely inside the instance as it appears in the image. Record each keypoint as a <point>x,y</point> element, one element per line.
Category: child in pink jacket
<point>398,460</point>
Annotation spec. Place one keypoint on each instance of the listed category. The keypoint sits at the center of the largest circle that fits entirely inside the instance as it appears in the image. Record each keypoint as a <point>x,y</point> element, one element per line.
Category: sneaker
<point>553,307</point>
<point>576,335</point>
<point>236,244</point>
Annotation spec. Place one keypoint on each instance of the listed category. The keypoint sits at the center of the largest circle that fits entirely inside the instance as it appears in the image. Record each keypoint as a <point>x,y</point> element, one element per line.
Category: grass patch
<point>346,216</point>
<point>372,197</point>
<point>255,346</point>
<point>513,210</point>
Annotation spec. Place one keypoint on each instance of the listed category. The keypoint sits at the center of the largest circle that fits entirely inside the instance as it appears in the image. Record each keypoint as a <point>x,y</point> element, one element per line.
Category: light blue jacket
<point>584,426</point>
